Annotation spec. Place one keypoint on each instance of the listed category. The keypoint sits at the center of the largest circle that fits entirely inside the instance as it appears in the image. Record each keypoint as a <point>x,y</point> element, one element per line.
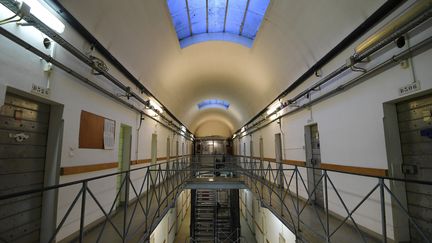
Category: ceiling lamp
<point>42,13</point>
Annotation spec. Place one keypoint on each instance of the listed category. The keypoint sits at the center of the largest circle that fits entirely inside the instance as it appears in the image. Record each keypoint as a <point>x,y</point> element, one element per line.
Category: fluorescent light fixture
<point>243,129</point>
<point>156,106</point>
<point>273,107</point>
<point>152,113</point>
<point>43,14</point>
<point>183,128</point>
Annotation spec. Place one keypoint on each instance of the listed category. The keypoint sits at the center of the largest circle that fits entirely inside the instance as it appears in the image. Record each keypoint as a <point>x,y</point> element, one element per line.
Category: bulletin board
<point>96,132</point>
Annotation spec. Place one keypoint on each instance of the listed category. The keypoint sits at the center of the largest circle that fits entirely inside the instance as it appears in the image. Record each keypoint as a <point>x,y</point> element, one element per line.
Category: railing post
<point>83,203</point>
<point>326,207</point>
<point>125,204</point>
<point>383,212</point>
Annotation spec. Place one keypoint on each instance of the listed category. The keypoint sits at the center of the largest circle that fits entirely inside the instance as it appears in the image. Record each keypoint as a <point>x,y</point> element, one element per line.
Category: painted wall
<point>265,225</point>
<point>350,125</point>
<point>167,229</point>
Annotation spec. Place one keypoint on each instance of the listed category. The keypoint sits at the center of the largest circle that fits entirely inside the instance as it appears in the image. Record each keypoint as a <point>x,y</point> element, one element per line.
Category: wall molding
<point>79,169</point>
<point>72,170</point>
<point>294,162</point>
<point>366,171</point>
<point>355,169</point>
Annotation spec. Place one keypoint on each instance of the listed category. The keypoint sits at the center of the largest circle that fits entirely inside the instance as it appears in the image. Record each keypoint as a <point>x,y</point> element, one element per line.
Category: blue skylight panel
<point>239,19</point>
<point>180,20</point>
<point>216,15</point>
<point>254,17</point>
<point>198,15</point>
<point>236,10</point>
<point>213,103</point>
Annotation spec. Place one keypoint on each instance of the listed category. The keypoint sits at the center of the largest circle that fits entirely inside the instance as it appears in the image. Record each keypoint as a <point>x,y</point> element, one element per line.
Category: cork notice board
<point>91,134</point>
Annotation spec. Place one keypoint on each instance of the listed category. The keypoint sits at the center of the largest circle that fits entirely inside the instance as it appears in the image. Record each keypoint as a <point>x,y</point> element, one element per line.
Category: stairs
<point>212,217</point>
<point>205,212</point>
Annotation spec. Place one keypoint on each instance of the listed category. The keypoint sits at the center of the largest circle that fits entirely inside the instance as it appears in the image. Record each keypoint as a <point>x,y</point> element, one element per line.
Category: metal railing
<point>145,194</point>
<point>142,196</point>
<point>279,187</point>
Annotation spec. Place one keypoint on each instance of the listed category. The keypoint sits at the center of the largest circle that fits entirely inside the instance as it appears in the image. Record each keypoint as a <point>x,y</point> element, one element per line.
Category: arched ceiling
<point>294,36</point>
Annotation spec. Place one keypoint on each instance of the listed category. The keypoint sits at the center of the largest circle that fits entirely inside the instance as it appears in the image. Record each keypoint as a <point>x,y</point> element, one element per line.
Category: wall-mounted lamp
<point>43,14</point>
<point>273,107</point>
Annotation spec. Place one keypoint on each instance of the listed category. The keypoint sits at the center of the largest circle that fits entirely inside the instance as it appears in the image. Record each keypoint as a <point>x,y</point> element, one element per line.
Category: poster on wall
<point>109,133</point>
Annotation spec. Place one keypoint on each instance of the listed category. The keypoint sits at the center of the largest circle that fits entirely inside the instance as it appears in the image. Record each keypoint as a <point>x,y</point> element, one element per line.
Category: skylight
<point>213,103</point>
<point>228,20</point>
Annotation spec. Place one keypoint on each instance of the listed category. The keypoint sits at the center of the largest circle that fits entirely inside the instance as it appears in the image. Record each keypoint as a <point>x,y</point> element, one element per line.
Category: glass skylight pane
<point>178,12</point>
<point>216,13</point>
<point>197,11</point>
<point>258,6</point>
<point>213,103</point>
<point>236,10</point>
<point>254,17</point>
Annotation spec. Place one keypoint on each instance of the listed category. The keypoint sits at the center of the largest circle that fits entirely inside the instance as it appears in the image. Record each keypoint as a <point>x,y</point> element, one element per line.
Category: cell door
<point>153,174</point>
<point>415,129</point>
<point>124,156</point>
<point>313,159</point>
<point>23,141</point>
<point>244,153</point>
<point>278,156</point>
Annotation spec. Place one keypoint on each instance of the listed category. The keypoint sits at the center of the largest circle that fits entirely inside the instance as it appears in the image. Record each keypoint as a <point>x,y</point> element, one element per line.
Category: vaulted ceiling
<point>293,36</point>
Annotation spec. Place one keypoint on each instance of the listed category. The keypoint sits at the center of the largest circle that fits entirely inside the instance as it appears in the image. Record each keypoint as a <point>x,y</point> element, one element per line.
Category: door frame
<point>308,151</point>
<point>52,159</point>
<point>395,161</point>
<point>125,162</point>
<point>279,157</point>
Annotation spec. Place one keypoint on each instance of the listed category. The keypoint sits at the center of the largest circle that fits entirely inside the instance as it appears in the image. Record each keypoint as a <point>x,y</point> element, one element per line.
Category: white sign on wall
<point>409,88</point>
<point>109,134</point>
<point>41,91</point>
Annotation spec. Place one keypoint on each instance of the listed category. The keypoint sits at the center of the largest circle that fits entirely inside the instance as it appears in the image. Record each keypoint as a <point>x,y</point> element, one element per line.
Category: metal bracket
<point>19,137</point>
<point>408,169</point>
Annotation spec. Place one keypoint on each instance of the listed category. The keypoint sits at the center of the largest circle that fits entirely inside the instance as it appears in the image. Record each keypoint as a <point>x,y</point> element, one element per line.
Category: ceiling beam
<point>244,18</point>
<point>189,19</point>
<point>226,13</point>
<point>207,16</point>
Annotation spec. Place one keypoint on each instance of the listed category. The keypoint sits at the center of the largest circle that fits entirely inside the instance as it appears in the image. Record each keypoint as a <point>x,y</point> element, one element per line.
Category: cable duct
<point>31,20</point>
<point>425,44</point>
<point>418,10</point>
<point>417,14</point>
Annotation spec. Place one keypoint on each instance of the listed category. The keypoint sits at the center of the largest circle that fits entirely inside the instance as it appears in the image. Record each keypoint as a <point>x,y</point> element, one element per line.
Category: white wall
<point>351,128</point>
<point>20,69</point>
<point>261,221</point>
<point>167,229</point>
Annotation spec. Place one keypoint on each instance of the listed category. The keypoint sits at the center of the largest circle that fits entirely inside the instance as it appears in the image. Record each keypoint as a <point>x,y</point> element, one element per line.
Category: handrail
<point>423,182</point>
<point>47,188</point>
<point>267,178</point>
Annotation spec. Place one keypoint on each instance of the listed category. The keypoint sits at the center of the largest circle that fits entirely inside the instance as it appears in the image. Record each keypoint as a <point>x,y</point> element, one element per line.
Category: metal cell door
<point>278,156</point>
<point>313,159</point>
<point>23,137</point>
<point>415,129</point>
<point>124,157</point>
